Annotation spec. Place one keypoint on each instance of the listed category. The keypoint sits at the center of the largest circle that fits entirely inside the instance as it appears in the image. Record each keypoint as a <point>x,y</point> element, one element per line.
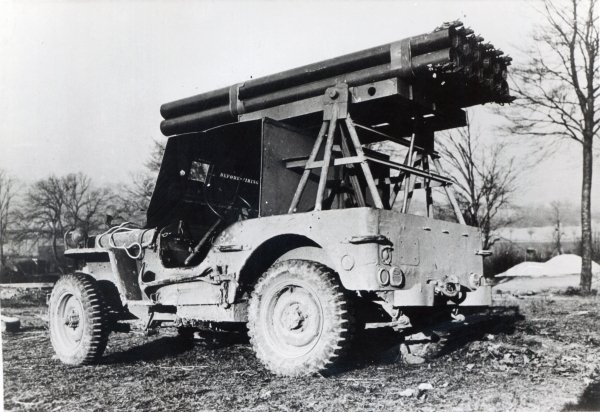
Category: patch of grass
<point>24,297</point>
<point>573,291</point>
<point>541,305</point>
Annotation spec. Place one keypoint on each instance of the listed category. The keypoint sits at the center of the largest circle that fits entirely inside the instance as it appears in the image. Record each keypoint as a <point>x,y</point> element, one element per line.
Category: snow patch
<point>561,265</point>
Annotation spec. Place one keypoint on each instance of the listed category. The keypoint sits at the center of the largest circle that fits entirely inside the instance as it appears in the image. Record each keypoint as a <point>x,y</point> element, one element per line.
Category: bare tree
<point>83,202</point>
<point>134,198</point>
<point>7,194</point>
<point>557,92</point>
<point>558,233</point>
<point>56,204</point>
<point>155,160</point>
<point>43,213</point>
<point>484,180</point>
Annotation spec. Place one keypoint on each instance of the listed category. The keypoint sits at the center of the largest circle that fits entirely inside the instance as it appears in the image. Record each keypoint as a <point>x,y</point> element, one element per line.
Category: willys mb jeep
<point>273,209</point>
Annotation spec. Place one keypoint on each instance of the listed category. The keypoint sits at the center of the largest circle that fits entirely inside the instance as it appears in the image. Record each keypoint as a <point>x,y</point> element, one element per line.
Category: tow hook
<point>450,287</point>
<point>458,317</point>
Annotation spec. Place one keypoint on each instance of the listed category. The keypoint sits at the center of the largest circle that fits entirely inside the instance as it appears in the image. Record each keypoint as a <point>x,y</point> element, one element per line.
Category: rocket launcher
<point>451,68</point>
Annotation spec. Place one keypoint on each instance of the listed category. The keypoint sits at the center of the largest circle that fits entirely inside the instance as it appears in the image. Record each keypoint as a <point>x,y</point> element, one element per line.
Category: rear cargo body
<point>359,243</point>
<point>424,250</point>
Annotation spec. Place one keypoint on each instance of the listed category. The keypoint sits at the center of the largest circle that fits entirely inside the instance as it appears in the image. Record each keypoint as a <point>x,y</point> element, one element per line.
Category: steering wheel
<point>236,198</point>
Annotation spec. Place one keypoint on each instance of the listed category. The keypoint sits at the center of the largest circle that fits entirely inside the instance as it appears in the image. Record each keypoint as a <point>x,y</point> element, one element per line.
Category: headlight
<point>75,238</point>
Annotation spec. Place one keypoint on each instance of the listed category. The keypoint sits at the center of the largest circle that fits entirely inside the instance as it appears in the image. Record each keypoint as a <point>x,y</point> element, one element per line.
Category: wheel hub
<point>72,319</point>
<point>296,319</point>
<point>292,317</point>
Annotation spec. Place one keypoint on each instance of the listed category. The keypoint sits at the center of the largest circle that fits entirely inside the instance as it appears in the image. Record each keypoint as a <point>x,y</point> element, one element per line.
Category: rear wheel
<point>79,326</point>
<point>298,318</point>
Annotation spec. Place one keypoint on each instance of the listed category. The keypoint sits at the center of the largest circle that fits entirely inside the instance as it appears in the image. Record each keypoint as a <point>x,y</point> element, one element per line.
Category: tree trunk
<point>585,283</point>
<point>1,250</point>
<point>486,239</point>
<point>55,251</point>
<point>1,255</point>
<point>1,243</point>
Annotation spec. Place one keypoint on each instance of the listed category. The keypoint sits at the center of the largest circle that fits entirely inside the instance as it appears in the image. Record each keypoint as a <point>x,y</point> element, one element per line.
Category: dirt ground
<point>530,353</point>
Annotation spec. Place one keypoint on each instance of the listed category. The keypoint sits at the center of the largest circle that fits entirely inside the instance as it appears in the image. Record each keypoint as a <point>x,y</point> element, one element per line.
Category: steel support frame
<point>336,118</point>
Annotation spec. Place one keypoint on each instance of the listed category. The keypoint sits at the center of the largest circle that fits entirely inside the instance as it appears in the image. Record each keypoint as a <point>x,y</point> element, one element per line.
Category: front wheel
<point>78,320</point>
<point>299,318</point>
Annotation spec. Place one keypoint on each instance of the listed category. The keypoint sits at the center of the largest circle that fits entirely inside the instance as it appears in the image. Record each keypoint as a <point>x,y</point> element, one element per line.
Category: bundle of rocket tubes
<point>456,68</point>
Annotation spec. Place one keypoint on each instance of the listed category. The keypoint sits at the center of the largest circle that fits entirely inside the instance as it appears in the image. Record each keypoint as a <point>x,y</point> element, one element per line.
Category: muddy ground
<point>531,353</point>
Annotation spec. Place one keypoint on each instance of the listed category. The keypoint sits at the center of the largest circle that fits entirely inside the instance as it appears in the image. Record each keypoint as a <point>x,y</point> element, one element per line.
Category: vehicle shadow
<point>171,346</point>
<point>371,346</point>
<point>222,339</point>
<point>383,346</point>
<point>589,399</point>
<point>494,321</point>
<point>161,348</point>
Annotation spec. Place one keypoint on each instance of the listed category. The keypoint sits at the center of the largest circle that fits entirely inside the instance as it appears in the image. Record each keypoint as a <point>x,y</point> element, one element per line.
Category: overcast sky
<point>81,82</point>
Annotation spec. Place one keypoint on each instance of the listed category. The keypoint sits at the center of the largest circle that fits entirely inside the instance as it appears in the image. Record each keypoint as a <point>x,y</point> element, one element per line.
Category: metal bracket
<point>357,240</point>
<point>232,248</point>
<point>337,95</point>
<point>225,277</point>
<point>236,106</point>
<point>400,56</point>
<point>148,325</point>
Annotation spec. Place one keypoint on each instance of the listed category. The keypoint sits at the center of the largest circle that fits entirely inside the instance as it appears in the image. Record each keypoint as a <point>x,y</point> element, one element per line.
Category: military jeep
<point>285,219</point>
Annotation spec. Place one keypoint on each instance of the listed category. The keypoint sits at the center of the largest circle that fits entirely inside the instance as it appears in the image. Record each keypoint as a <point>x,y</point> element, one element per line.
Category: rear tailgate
<point>427,249</point>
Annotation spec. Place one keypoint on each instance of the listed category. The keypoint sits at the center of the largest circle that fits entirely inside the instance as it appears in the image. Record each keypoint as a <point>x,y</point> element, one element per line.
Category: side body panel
<point>350,241</point>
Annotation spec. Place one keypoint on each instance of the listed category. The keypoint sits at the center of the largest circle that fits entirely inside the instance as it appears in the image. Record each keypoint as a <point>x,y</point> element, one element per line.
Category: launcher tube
<point>316,71</point>
<point>375,56</point>
<point>468,68</point>
<point>225,114</point>
<point>195,103</point>
<point>426,43</point>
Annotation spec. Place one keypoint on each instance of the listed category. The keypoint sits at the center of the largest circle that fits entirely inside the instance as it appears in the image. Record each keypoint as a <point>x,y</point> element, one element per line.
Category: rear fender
<point>313,253</point>
<point>276,249</point>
